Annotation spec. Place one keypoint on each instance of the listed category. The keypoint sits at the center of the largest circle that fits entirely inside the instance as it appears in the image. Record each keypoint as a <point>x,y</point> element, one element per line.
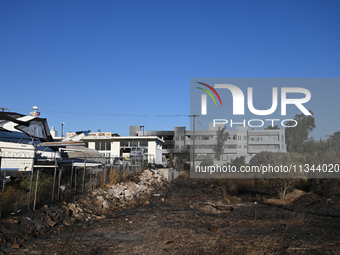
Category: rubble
<point>94,205</point>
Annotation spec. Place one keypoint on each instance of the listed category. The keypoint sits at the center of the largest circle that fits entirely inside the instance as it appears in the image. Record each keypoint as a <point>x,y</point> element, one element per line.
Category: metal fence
<point>57,179</point>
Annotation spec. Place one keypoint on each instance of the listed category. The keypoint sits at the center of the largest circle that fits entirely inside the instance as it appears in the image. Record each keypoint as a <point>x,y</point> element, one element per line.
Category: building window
<point>143,143</point>
<point>230,146</point>
<point>124,143</point>
<point>134,143</point>
<point>264,147</point>
<point>103,146</point>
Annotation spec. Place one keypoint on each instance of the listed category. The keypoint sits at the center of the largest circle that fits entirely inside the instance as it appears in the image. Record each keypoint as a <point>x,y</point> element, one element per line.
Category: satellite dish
<point>35,113</point>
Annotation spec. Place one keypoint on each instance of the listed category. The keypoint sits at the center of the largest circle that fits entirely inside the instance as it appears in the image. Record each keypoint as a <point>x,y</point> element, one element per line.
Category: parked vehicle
<point>118,161</point>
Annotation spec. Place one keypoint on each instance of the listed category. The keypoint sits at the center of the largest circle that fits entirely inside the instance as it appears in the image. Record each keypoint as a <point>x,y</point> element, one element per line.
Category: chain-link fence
<point>28,183</point>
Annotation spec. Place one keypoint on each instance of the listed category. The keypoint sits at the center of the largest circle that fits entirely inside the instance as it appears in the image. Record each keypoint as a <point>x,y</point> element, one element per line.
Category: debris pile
<point>93,205</point>
<point>19,228</point>
<point>113,197</point>
<point>126,192</point>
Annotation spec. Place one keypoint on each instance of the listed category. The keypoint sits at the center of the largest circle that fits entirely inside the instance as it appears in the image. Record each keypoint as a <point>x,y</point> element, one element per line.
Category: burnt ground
<point>182,220</point>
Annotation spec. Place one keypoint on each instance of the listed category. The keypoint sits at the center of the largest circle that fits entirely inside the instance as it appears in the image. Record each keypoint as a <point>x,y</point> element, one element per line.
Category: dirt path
<point>181,221</point>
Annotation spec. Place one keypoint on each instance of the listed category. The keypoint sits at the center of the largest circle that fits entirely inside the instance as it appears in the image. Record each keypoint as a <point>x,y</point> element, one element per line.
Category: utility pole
<point>193,139</point>
<point>62,130</point>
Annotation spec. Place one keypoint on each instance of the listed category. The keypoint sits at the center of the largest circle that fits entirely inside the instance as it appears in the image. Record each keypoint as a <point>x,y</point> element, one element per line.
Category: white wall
<point>115,148</point>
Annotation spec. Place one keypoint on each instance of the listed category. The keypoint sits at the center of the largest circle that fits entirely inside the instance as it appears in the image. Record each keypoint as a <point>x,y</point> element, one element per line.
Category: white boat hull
<point>16,157</point>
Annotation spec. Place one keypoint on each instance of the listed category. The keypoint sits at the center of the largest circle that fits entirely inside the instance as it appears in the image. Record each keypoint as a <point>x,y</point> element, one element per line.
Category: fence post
<point>55,173</point>
<point>29,198</point>
<point>2,194</point>
<point>91,177</point>
<point>84,175</point>
<point>36,190</point>
<point>60,172</point>
<point>71,176</point>
<point>75,179</point>
<point>105,173</point>
<point>97,175</point>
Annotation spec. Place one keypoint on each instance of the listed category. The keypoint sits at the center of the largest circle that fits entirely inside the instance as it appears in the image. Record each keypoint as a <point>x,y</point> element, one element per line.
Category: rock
<point>105,204</point>
<point>15,246</point>
<point>14,221</point>
<point>100,198</point>
<point>209,209</point>
<point>127,194</point>
<point>72,207</point>
<point>79,209</point>
<point>67,222</point>
<point>51,223</point>
<point>111,192</point>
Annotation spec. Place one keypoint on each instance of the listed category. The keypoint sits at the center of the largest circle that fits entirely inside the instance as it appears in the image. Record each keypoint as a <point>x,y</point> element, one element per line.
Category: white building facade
<point>241,141</point>
<point>121,146</point>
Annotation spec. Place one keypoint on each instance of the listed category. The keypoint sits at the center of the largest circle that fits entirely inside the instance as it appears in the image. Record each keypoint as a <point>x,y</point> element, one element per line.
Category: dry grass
<point>184,175</point>
<point>114,176</point>
<point>290,197</point>
<point>132,203</point>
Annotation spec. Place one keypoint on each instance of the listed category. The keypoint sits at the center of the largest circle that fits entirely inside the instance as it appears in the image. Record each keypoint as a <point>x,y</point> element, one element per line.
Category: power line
<point>107,114</point>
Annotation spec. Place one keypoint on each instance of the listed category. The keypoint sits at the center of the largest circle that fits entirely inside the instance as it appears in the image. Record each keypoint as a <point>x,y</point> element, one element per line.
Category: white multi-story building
<point>113,145</point>
<point>240,142</point>
<point>160,144</point>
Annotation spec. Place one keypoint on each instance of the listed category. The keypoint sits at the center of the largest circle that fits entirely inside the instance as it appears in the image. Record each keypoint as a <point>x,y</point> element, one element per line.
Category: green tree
<point>273,127</point>
<point>238,161</point>
<point>183,156</point>
<point>297,136</point>
<point>171,160</point>
<point>207,161</point>
<point>278,184</point>
<point>221,138</point>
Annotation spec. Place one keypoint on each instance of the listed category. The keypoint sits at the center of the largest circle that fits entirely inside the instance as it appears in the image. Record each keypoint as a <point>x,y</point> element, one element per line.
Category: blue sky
<point>111,64</point>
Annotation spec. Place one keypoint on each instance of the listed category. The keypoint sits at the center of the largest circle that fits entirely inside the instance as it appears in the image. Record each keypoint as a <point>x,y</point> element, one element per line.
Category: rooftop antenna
<point>35,113</point>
